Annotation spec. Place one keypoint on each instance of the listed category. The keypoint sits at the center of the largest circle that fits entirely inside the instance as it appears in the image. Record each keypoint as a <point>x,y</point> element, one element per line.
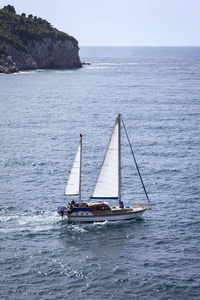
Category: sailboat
<point>107,188</point>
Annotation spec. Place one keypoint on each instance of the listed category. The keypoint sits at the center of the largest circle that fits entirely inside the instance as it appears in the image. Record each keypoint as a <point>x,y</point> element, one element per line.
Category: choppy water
<point>41,115</point>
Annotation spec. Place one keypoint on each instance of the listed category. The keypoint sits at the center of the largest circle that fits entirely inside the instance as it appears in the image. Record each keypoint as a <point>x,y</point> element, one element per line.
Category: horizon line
<point>137,46</point>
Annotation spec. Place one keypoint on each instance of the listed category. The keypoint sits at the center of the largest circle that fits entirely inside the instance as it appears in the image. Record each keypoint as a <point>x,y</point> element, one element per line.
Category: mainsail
<point>74,181</point>
<point>108,182</point>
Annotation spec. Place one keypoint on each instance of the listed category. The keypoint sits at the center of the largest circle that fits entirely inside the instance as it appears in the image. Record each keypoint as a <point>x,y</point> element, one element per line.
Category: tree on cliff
<point>9,8</point>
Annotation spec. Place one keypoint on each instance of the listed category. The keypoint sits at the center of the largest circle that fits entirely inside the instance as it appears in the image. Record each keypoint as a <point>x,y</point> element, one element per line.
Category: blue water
<point>42,113</point>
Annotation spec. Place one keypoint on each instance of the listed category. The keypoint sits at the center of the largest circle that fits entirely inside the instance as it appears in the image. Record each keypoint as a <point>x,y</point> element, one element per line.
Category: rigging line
<point>135,161</point>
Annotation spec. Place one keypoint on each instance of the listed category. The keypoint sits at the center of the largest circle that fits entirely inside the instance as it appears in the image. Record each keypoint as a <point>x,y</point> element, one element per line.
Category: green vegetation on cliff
<point>18,30</point>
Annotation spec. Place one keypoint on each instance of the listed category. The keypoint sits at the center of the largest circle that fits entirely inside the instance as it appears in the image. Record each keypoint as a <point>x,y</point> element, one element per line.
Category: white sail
<point>73,184</point>
<point>107,185</point>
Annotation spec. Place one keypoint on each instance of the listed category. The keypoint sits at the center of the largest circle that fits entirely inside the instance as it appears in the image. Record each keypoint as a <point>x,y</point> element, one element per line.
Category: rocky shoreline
<point>7,66</point>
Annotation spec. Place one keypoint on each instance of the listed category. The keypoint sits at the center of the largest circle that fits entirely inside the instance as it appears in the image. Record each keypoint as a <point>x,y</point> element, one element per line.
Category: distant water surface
<point>42,114</point>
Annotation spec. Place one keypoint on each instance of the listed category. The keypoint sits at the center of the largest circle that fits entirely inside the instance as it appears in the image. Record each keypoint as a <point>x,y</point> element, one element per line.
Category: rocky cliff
<point>46,53</point>
<point>32,43</point>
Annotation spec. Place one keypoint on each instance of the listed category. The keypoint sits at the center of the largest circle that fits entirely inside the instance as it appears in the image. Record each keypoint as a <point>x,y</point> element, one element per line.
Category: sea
<point>42,113</point>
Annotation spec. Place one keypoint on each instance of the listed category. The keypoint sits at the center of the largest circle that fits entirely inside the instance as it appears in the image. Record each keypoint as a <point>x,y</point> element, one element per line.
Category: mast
<point>80,170</point>
<point>119,159</point>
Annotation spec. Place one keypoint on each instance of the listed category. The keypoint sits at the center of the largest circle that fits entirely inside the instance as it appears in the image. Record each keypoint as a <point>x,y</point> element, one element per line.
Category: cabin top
<point>99,205</point>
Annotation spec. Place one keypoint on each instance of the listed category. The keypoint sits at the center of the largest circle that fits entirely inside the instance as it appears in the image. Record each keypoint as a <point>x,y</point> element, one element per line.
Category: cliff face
<point>54,53</point>
<point>32,43</point>
<point>44,54</point>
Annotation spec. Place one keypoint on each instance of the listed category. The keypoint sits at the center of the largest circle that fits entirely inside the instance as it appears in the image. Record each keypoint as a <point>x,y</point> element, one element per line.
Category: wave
<point>39,222</point>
